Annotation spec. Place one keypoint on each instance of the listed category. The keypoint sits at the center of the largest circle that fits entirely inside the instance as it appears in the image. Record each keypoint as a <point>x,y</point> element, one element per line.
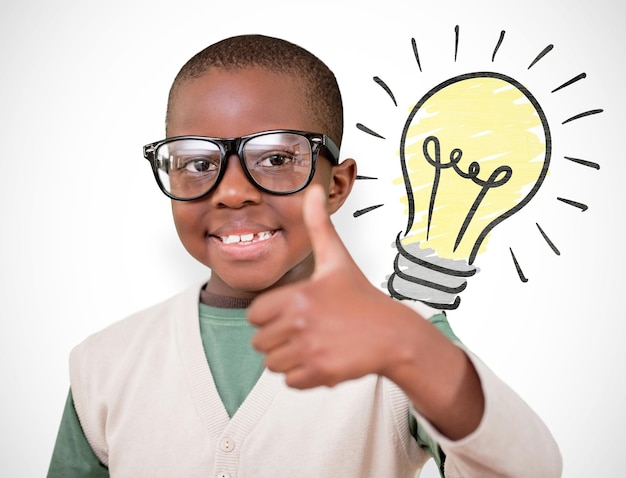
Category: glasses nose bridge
<point>232,146</point>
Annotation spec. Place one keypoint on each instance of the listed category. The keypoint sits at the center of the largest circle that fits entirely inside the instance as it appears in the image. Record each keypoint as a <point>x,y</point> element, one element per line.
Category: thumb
<point>328,249</point>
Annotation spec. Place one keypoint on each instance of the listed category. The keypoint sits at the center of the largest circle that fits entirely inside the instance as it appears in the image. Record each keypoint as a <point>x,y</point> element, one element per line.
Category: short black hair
<point>276,55</point>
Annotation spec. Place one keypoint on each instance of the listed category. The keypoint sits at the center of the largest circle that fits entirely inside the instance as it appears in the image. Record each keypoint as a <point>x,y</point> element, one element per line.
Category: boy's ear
<point>342,179</point>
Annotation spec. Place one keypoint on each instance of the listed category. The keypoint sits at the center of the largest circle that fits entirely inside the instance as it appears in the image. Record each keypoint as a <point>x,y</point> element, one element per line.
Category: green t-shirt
<point>226,336</point>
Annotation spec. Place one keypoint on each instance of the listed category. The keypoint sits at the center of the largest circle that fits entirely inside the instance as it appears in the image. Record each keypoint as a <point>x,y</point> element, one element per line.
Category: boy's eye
<point>194,165</point>
<point>200,165</point>
<point>275,159</point>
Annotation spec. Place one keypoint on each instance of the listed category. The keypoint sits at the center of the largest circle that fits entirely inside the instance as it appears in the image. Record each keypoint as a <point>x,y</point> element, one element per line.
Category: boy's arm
<point>511,440</point>
<point>508,434</point>
<point>336,326</point>
<point>72,455</point>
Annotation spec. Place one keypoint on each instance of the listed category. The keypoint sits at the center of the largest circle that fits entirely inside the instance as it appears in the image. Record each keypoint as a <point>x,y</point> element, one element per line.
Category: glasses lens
<point>188,168</point>
<point>279,162</point>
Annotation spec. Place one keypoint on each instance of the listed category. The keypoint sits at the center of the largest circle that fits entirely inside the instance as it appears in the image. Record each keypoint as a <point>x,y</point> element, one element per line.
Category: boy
<point>348,382</point>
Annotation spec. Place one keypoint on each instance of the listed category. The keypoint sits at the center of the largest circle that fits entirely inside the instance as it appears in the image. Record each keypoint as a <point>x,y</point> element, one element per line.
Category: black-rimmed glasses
<point>277,162</point>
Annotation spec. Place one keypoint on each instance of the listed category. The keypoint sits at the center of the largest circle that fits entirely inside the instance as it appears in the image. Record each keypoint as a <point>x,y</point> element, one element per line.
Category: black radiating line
<point>416,54</point>
<point>384,86</point>
<point>456,41</point>
<point>550,243</point>
<point>364,177</point>
<point>579,205</point>
<point>543,53</point>
<point>589,164</point>
<point>365,129</point>
<point>493,56</point>
<point>521,275</point>
<point>582,115</point>
<point>360,212</point>
<point>569,82</point>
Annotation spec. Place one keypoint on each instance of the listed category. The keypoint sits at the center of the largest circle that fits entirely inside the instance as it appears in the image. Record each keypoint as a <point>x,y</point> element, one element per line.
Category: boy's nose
<point>235,189</point>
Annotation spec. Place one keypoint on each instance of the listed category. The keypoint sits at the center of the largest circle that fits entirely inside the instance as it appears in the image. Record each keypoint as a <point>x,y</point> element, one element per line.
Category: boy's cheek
<point>187,217</point>
<point>191,231</point>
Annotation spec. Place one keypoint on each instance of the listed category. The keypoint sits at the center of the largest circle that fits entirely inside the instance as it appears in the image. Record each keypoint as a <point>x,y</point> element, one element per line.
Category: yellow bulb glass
<point>474,150</point>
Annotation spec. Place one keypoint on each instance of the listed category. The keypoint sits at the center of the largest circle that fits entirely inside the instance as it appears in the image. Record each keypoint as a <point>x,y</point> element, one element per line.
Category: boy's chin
<point>249,282</point>
<point>239,287</point>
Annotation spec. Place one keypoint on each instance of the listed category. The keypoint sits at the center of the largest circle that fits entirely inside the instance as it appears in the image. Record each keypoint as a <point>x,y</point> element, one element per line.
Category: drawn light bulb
<point>474,150</point>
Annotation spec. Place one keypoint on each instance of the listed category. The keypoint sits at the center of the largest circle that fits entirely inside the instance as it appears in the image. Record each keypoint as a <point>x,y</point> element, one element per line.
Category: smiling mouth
<point>245,239</point>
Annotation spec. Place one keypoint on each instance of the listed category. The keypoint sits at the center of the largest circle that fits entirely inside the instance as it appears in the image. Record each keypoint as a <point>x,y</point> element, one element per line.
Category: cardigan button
<point>227,445</point>
<point>223,475</point>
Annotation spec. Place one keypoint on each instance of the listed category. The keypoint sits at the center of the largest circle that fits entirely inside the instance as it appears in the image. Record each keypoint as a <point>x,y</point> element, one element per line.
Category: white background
<point>87,237</point>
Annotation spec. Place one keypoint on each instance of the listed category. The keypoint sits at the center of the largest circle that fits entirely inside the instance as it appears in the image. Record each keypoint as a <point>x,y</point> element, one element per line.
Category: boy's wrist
<point>405,355</point>
<point>436,375</point>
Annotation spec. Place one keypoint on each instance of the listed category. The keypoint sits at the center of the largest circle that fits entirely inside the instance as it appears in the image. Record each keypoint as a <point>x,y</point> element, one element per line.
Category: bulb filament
<point>498,177</point>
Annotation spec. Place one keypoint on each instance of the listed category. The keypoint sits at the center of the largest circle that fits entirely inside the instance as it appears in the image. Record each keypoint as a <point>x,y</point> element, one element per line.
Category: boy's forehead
<point>257,99</point>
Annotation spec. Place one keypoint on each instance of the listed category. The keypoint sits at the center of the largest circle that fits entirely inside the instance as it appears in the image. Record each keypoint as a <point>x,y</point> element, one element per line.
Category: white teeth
<point>230,239</point>
<point>245,238</point>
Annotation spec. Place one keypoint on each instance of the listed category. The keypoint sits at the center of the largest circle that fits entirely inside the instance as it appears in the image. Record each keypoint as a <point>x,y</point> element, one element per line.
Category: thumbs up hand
<point>336,326</point>
<point>332,327</point>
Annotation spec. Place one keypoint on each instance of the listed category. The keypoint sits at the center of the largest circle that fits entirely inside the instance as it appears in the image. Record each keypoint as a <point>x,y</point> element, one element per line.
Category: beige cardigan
<point>149,408</point>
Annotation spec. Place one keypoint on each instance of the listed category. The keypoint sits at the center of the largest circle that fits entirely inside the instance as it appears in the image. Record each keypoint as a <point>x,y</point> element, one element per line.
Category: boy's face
<point>232,103</point>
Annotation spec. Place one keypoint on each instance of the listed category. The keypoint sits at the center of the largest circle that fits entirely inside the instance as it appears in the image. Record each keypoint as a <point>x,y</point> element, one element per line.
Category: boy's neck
<point>223,302</point>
